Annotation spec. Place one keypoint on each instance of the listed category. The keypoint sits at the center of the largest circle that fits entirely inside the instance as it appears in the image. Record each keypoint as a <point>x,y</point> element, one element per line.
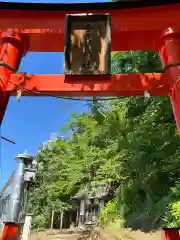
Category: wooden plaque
<point>88,44</point>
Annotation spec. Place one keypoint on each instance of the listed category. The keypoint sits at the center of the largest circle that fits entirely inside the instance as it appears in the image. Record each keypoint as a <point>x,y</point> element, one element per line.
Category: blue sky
<point>31,121</point>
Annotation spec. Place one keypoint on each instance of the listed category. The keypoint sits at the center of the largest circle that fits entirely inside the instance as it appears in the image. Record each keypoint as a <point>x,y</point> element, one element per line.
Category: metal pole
<point>8,140</point>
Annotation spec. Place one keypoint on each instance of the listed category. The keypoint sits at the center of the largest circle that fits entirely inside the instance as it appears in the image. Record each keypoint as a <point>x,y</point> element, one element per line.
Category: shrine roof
<point>121,4</point>
<point>92,192</point>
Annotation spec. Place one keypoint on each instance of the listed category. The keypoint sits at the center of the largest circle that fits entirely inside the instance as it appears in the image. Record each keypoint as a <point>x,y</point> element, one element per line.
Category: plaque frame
<point>87,18</point>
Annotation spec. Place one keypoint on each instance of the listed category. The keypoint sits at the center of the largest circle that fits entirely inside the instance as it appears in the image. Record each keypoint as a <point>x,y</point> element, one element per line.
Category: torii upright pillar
<point>170,56</point>
<point>11,51</point>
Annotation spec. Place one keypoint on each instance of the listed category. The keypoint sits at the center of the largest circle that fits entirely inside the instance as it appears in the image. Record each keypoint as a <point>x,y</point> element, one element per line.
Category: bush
<point>39,222</point>
<point>110,215</point>
<point>172,218</point>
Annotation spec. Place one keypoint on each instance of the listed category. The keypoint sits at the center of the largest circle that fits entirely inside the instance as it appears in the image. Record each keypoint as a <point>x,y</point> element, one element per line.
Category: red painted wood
<point>132,29</point>
<point>9,54</point>
<point>114,85</point>
<point>170,54</point>
<point>11,232</point>
<point>170,234</point>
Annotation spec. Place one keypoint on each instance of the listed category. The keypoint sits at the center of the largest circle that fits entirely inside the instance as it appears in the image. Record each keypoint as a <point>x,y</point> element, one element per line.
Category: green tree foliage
<point>130,143</point>
<point>172,218</point>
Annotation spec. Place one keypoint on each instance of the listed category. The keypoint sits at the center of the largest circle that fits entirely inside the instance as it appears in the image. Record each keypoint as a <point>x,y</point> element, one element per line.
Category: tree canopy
<point>130,143</point>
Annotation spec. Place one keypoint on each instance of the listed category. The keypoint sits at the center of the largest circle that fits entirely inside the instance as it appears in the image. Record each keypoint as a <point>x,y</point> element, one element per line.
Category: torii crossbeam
<point>136,25</point>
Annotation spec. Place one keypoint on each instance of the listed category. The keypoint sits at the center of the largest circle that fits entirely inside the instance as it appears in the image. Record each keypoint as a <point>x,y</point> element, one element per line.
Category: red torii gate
<point>136,25</point>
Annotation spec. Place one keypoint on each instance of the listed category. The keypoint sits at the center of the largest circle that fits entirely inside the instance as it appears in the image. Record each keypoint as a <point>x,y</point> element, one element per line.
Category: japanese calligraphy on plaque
<point>88,44</point>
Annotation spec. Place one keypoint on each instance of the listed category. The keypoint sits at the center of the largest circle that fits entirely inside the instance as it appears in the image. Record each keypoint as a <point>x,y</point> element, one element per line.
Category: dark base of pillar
<point>170,234</point>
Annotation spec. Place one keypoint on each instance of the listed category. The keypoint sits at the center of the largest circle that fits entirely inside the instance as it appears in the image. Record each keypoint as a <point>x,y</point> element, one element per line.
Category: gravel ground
<point>111,234</point>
